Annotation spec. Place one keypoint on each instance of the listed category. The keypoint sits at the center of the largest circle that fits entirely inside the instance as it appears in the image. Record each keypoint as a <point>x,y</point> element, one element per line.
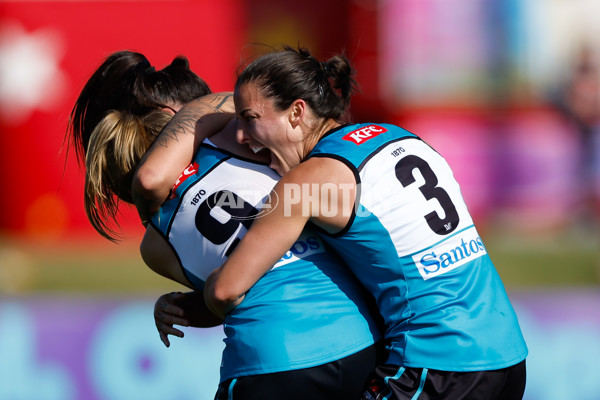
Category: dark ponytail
<point>292,74</point>
<point>127,82</point>
<point>117,116</point>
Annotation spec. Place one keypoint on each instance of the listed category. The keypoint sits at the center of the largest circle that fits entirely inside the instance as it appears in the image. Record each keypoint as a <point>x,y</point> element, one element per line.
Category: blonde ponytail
<point>115,148</point>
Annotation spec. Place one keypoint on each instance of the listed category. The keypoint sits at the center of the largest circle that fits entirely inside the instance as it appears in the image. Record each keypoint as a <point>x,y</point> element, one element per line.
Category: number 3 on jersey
<point>430,190</point>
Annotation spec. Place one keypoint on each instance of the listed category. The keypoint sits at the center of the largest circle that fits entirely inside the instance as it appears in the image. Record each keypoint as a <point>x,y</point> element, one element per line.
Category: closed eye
<point>247,117</point>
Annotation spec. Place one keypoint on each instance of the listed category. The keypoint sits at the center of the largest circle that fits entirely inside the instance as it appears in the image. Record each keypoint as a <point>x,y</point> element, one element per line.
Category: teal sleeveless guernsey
<point>413,245</point>
<point>307,311</point>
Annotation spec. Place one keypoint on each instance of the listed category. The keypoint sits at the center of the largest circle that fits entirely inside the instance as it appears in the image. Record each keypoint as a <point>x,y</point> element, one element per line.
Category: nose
<point>241,136</point>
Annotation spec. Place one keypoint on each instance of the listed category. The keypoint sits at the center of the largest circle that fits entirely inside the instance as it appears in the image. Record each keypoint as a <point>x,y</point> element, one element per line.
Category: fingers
<point>166,314</point>
<point>165,330</point>
<point>169,318</point>
<point>164,338</point>
<point>166,309</point>
<point>169,330</point>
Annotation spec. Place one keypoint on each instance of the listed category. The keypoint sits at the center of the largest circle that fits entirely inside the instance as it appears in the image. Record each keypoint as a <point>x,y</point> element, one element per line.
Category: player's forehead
<point>249,98</point>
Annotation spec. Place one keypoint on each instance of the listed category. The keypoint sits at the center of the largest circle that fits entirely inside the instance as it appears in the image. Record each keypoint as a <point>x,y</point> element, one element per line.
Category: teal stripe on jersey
<point>206,159</point>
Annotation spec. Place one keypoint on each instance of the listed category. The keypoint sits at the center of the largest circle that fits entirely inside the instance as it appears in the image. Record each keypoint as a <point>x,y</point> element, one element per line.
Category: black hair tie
<point>143,65</point>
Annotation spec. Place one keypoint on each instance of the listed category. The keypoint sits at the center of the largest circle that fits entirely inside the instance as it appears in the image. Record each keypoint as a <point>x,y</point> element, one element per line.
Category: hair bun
<point>180,62</point>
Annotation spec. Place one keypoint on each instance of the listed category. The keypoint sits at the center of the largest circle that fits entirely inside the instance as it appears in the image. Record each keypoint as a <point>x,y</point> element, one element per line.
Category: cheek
<point>249,130</point>
<point>262,132</point>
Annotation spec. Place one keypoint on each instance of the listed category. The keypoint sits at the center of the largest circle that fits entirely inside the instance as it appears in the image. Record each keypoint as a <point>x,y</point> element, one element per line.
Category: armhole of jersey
<point>172,218</point>
<point>183,271</point>
<point>358,194</point>
<point>192,282</point>
<point>196,283</point>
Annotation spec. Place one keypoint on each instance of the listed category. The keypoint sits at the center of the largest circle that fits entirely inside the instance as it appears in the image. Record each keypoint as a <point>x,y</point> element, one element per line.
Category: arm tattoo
<point>186,120</point>
<point>184,124</point>
<point>222,100</point>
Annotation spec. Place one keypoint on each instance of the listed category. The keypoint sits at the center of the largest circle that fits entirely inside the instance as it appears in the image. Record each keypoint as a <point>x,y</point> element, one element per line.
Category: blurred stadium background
<point>507,90</point>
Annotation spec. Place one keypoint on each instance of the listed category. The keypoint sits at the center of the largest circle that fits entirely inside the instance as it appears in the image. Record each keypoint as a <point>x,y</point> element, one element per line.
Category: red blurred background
<point>483,82</point>
<point>50,48</point>
<point>56,46</point>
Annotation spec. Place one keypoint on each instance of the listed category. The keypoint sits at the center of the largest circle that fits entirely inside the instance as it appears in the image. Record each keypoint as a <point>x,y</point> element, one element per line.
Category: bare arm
<point>174,148</point>
<point>185,309</point>
<point>299,198</point>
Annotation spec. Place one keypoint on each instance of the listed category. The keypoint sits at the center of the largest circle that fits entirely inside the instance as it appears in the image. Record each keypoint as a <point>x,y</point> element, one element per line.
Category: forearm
<point>196,312</point>
<point>226,286</point>
<point>218,306</point>
<point>174,148</point>
<point>276,231</point>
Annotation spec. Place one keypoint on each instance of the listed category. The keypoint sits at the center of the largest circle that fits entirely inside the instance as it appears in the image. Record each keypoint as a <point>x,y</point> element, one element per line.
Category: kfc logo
<point>363,134</point>
<point>189,171</point>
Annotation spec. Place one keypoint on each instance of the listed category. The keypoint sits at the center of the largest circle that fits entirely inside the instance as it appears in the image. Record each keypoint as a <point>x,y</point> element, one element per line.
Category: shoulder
<point>320,170</point>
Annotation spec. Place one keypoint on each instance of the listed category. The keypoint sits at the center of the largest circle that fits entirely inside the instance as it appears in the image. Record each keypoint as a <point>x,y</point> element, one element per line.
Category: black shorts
<point>391,382</point>
<point>342,379</point>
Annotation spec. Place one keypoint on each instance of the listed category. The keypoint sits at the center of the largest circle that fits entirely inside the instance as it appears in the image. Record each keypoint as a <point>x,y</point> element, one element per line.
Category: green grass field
<point>100,267</point>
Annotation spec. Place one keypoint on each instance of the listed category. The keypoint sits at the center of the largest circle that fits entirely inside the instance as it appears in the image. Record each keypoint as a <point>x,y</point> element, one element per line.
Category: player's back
<point>414,246</point>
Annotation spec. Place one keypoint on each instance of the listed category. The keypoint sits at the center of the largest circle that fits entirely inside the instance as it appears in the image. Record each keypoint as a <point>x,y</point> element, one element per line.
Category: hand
<point>168,313</point>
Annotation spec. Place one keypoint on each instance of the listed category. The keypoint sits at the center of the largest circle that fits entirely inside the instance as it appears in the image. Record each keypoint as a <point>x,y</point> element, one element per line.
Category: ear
<point>297,112</point>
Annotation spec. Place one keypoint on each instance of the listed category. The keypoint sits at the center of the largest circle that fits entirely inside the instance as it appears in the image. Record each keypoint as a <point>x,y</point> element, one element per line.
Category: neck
<point>313,139</point>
